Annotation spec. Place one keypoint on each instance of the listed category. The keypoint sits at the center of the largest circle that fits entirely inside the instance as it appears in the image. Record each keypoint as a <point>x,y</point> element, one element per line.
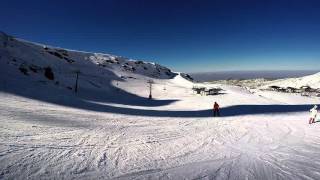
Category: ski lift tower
<point>150,82</point>
<point>77,77</point>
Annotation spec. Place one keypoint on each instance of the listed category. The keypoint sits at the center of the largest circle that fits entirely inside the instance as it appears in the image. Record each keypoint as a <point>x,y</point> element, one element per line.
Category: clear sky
<point>185,35</point>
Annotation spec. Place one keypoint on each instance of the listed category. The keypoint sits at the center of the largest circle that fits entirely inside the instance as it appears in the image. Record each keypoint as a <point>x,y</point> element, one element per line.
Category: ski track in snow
<point>41,140</point>
<point>110,130</point>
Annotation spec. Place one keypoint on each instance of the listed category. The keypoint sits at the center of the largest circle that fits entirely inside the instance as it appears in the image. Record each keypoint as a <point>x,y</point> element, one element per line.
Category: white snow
<point>111,130</point>
<point>312,81</point>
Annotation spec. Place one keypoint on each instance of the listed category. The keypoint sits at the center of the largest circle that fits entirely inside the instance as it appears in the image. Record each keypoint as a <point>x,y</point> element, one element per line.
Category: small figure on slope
<point>216,109</point>
<point>313,114</point>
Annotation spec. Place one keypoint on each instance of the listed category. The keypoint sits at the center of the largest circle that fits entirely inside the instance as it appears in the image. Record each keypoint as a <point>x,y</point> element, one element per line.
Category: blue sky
<point>190,36</point>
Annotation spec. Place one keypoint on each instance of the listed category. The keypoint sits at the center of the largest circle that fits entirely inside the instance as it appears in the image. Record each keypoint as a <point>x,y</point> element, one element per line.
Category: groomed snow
<point>46,140</point>
<point>115,132</point>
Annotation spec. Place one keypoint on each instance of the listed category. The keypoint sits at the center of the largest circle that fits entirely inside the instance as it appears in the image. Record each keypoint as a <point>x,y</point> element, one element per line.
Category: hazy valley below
<point>240,75</point>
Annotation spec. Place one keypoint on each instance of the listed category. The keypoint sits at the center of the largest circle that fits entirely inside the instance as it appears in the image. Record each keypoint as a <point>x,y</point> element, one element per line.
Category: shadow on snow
<point>86,104</point>
<point>88,97</point>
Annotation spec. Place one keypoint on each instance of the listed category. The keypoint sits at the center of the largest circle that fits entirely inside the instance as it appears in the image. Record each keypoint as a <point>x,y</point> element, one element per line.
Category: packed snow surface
<point>111,130</point>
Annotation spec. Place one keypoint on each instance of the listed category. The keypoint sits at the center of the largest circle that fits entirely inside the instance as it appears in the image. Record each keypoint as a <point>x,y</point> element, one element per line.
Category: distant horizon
<point>238,75</point>
<point>261,70</point>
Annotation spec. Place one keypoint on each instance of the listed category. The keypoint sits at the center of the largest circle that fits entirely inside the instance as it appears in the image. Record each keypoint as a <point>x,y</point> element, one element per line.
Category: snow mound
<point>312,81</point>
<point>183,80</point>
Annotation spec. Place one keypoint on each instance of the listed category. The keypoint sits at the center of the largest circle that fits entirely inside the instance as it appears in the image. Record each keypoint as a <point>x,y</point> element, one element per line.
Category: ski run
<point>109,129</point>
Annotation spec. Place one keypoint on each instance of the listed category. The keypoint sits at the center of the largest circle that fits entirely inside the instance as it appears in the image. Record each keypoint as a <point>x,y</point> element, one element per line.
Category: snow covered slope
<point>312,80</point>
<point>25,61</point>
<point>111,130</point>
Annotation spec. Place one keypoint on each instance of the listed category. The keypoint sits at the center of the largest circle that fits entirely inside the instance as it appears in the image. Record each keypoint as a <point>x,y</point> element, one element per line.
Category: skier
<point>216,109</point>
<point>313,114</point>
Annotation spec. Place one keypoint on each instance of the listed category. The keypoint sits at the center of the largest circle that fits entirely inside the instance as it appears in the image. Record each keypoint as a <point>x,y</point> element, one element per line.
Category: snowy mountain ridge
<point>60,66</point>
